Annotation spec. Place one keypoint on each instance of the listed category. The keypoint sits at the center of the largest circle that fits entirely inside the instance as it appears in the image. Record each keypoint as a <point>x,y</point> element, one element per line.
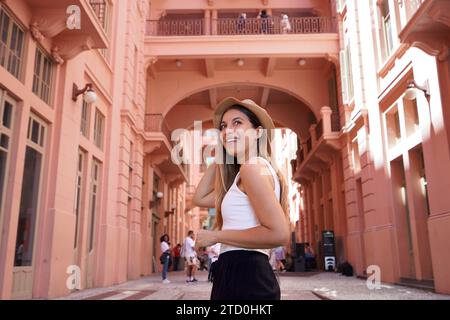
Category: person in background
<point>280,257</point>
<point>285,24</point>
<point>176,256</point>
<point>165,257</point>
<point>241,23</point>
<point>213,255</point>
<point>203,258</point>
<point>266,21</point>
<point>190,256</point>
<point>310,257</point>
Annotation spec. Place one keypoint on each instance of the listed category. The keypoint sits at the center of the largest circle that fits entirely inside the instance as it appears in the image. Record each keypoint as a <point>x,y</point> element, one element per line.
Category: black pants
<point>211,271</point>
<point>244,275</point>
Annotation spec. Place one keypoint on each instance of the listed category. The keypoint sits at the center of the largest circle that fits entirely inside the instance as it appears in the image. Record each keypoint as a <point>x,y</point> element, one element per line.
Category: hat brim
<point>224,105</point>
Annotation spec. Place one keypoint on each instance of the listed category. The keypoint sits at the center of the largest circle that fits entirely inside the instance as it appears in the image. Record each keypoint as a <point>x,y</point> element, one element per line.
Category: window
<point>94,194</point>
<point>29,202</point>
<point>356,157</point>
<point>346,75</point>
<point>99,128</point>
<point>155,188</point>
<point>411,116</point>
<point>84,126</point>
<point>6,112</point>
<point>387,27</point>
<point>392,121</point>
<point>42,80</point>
<point>11,44</point>
<point>79,194</point>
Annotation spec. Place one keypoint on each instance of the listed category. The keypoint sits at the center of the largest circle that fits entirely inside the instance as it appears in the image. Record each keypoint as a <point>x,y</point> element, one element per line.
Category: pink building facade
<point>381,184</point>
<point>87,189</point>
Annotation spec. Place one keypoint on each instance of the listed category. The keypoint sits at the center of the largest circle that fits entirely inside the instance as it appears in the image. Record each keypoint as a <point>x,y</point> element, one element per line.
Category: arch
<point>256,84</point>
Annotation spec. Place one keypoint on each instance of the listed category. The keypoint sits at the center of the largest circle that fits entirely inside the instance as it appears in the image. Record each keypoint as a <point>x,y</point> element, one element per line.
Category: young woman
<point>250,200</point>
<point>165,256</point>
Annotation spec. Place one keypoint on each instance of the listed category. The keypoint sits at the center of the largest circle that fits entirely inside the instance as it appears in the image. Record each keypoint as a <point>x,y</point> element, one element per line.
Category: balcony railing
<point>326,127</point>
<point>99,7</point>
<point>155,122</point>
<point>191,27</point>
<point>250,26</point>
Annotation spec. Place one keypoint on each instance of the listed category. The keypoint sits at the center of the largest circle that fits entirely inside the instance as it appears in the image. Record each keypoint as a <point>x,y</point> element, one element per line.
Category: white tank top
<point>237,212</point>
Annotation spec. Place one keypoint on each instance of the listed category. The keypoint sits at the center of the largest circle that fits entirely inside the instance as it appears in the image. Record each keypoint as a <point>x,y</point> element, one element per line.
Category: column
<point>207,22</point>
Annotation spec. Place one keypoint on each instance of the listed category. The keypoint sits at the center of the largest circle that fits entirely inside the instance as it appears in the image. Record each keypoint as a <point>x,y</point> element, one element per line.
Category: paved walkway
<point>294,286</point>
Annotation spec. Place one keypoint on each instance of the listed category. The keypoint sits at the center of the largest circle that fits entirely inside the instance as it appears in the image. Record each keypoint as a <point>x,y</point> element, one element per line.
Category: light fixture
<point>301,62</point>
<point>411,90</point>
<point>159,196</point>
<point>178,63</point>
<point>89,94</point>
<point>240,62</point>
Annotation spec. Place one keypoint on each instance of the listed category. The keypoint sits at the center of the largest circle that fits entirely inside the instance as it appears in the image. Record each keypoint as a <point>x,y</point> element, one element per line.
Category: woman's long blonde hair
<point>226,172</point>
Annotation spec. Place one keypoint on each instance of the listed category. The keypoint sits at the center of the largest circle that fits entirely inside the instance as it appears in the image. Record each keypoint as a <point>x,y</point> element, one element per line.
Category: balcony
<point>72,25</point>
<point>230,27</point>
<point>319,148</point>
<point>158,144</point>
<point>428,27</point>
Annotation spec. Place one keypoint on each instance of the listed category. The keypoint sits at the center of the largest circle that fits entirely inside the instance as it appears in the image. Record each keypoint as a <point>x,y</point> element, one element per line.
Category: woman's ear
<point>259,132</point>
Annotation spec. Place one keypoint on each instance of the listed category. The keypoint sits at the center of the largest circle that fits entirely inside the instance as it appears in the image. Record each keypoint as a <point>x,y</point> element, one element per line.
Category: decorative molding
<point>265,2</point>
<point>441,15</point>
<point>36,33</point>
<point>151,146</point>
<point>71,47</point>
<point>433,46</point>
<point>50,22</point>
<point>57,56</point>
<point>210,2</point>
<point>156,160</point>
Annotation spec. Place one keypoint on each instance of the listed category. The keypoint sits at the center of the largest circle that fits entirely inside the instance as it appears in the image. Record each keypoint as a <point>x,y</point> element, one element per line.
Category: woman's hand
<point>206,238</point>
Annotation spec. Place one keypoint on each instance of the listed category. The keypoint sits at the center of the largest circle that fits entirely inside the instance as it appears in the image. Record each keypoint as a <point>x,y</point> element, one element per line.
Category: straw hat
<point>261,113</point>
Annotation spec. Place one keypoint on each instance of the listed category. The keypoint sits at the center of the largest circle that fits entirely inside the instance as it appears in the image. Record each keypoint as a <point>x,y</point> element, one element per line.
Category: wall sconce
<point>411,90</point>
<point>301,62</point>
<point>240,62</point>
<point>178,63</point>
<point>159,196</point>
<point>89,94</point>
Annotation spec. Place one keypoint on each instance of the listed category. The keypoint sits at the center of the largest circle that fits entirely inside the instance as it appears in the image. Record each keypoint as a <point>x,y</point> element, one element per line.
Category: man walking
<point>190,255</point>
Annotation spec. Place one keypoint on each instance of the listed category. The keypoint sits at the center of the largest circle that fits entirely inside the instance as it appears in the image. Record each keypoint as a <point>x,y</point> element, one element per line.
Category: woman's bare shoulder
<point>254,170</point>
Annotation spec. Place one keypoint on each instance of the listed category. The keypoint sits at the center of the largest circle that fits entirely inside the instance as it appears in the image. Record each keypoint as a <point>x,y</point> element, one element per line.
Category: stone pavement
<point>294,286</point>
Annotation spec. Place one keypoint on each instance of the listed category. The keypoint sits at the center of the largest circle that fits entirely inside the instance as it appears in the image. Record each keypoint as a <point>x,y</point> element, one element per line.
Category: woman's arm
<point>273,230</point>
<point>205,196</point>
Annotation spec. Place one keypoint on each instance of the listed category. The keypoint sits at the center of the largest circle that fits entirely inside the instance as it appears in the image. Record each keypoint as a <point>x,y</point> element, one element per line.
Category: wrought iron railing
<point>250,26</point>
<point>276,26</point>
<point>99,7</point>
<point>175,27</point>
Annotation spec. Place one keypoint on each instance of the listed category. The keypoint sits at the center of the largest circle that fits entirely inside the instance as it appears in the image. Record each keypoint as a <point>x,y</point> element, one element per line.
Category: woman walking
<point>165,257</point>
<point>250,200</point>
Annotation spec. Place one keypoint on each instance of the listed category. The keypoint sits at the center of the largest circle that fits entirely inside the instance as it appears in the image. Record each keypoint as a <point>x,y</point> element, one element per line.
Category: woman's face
<point>237,133</point>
